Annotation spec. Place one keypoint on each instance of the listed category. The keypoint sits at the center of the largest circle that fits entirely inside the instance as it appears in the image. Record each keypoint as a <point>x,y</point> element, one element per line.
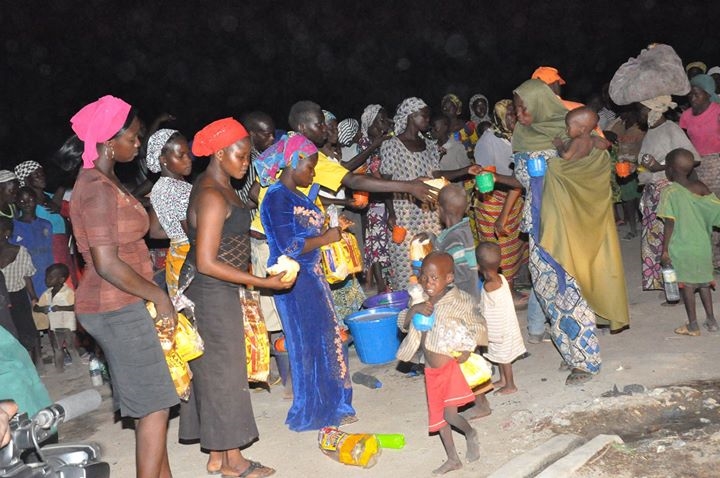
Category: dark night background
<point>204,60</point>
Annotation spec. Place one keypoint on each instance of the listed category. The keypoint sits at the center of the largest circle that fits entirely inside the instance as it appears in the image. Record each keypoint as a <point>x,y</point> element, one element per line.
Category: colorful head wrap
<point>473,116</point>
<point>500,124</point>
<point>658,106</point>
<point>347,129</point>
<point>24,169</point>
<point>453,98</point>
<point>707,83</point>
<point>217,135</point>
<point>98,122</point>
<point>328,116</point>
<point>367,118</point>
<point>156,143</point>
<point>286,152</point>
<point>7,176</point>
<point>696,64</point>
<point>407,107</point>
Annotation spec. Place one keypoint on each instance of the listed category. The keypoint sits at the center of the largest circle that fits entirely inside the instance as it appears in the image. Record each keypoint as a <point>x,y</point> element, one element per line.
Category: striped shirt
<point>458,241</point>
<point>459,326</point>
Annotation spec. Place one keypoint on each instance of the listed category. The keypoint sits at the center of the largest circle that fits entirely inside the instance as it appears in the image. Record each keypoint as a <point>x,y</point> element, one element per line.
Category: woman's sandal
<point>348,419</point>
<point>578,377</point>
<point>685,331</point>
<point>254,465</point>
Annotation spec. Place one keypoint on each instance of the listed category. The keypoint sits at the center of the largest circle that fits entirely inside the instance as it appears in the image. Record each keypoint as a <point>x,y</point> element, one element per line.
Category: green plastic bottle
<point>391,440</point>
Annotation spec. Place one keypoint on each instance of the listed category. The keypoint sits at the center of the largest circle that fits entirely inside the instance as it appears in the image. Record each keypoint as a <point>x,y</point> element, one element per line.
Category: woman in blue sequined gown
<point>322,392</point>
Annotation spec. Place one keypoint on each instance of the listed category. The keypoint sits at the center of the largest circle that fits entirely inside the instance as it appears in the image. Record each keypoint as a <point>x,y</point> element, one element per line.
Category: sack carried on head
<point>656,71</point>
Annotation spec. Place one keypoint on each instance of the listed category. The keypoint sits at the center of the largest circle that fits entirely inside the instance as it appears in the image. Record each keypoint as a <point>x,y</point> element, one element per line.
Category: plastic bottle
<point>358,449</point>
<point>368,380</point>
<point>96,372</point>
<point>67,358</point>
<point>672,292</point>
<point>416,292</point>
<point>391,440</point>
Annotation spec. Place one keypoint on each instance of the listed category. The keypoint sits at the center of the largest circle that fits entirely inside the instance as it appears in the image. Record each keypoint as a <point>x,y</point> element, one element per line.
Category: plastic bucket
<point>396,300</point>
<point>375,334</point>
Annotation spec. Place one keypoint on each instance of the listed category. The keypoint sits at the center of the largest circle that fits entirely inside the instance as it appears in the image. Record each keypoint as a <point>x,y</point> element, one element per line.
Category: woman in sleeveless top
<point>219,412</point>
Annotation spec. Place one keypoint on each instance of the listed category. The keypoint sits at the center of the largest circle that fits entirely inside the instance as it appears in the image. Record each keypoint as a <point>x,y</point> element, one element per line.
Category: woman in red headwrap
<point>109,225</point>
<point>219,411</point>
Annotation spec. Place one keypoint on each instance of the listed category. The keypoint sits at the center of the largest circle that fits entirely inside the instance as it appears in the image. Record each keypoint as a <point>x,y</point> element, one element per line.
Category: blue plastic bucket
<point>396,300</point>
<point>375,334</point>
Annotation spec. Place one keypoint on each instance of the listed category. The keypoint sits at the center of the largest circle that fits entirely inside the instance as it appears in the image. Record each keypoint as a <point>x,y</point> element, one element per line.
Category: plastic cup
<point>416,265</point>
<point>622,169</point>
<point>485,182</point>
<point>423,323</point>
<point>361,198</point>
<point>398,234</point>
<point>536,167</point>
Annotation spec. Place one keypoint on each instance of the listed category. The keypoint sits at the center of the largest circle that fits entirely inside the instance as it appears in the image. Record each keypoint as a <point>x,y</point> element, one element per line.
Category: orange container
<point>490,169</point>
<point>398,234</point>
<point>623,169</point>
<point>361,198</point>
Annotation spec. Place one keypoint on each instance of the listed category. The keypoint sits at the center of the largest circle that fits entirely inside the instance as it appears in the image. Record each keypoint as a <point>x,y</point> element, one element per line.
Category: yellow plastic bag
<point>188,343</point>
<point>476,370</point>
<point>179,369</point>
<point>341,258</point>
<point>257,342</point>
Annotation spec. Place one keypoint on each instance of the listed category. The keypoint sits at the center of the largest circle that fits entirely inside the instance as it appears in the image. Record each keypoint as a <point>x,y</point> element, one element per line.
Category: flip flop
<point>578,377</point>
<point>685,331</point>
<point>254,465</point>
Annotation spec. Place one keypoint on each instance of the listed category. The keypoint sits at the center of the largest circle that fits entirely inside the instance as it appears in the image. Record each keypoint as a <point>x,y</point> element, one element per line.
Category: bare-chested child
<point>455,330</point>
<point>505,342</point>
<point>580,123</point>
<point>690,211</point>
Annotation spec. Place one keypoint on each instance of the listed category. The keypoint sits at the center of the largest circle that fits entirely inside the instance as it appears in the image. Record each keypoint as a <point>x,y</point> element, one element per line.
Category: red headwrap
<point>217,135</point>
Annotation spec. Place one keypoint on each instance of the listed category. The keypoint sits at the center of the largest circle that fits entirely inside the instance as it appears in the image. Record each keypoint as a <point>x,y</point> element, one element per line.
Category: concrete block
<point>570,463</point>
<point>531,462</point>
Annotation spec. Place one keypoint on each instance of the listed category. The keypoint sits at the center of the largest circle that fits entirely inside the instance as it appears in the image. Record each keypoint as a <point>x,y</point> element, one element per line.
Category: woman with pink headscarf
<point>109,225</point>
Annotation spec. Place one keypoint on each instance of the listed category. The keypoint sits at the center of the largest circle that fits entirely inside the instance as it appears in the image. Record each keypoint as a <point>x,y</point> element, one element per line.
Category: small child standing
<point>505,342</point>
<point>580,123</point>
<point>689,210</point>
<point>456,328</point>
<point>58,302</point>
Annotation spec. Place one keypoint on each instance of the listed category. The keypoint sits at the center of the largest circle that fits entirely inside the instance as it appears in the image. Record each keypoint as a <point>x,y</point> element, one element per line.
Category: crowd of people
<point>80,254</point>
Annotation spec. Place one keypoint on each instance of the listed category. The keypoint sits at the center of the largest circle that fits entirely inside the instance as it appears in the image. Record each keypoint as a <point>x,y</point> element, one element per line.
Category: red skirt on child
<point>446,387</point>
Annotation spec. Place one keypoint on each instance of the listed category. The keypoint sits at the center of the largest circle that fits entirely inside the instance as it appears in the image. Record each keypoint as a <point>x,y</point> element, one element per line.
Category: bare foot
<point>499,384</point>
<point>473,448</point>
<point>449,465</point>
<point>506,390</point>
<point>479,410</point>
<point>214,462</point>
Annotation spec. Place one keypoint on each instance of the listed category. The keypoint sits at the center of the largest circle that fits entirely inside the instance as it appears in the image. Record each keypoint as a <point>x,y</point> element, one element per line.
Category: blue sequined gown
<point>322,392</point>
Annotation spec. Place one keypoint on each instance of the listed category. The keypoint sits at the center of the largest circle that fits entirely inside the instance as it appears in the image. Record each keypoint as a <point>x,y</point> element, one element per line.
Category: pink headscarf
<point>98,122</point>
<point>286,152</point>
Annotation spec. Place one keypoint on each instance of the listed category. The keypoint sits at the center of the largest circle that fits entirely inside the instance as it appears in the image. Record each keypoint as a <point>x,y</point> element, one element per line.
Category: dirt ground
<point>649,354</point>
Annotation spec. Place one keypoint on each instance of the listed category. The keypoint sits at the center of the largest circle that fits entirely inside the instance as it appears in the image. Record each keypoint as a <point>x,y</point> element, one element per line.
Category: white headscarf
<point>24,169</point>
<point>7,176</point>
<point>407,107</point>
<point>367,118</point>
<point>658,106</point>
<point>473,116</point>
<point>156,143</point>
